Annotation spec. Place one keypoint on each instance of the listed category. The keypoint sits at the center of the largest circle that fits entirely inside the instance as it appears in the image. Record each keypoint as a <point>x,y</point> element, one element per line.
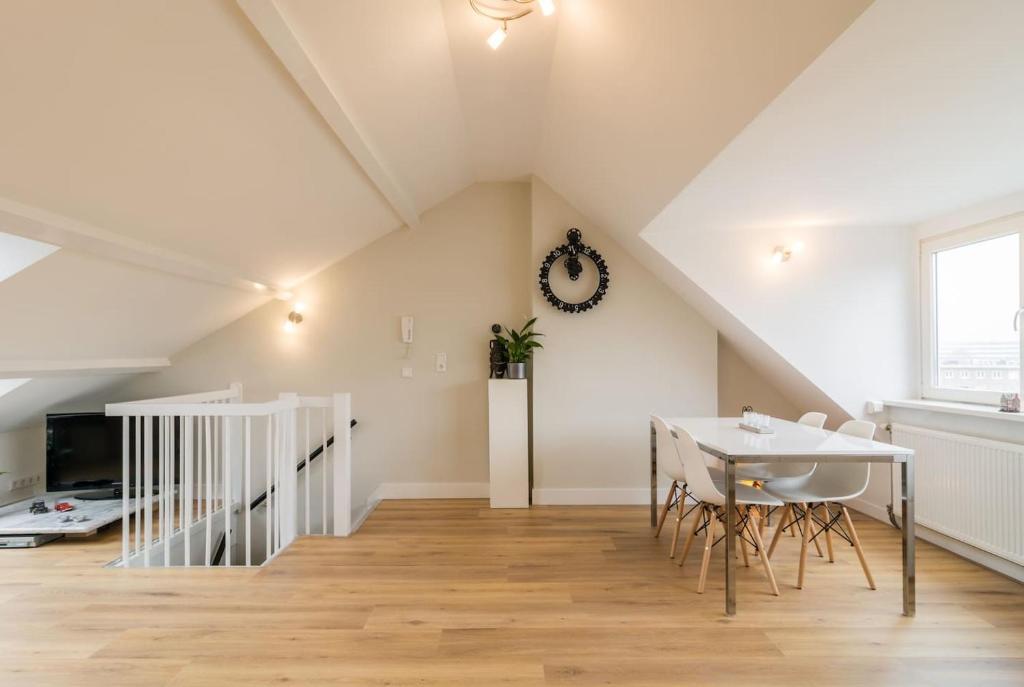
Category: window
<point>971,292</point>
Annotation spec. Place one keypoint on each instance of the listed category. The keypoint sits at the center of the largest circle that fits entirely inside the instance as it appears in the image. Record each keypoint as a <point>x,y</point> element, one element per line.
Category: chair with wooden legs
<point>670,463</point>
<point>829,486</point>
<point>711,511</point>
<point>763,473</point>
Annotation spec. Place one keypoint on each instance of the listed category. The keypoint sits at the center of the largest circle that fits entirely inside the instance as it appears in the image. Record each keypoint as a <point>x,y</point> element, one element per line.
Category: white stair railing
<point>194,463</point>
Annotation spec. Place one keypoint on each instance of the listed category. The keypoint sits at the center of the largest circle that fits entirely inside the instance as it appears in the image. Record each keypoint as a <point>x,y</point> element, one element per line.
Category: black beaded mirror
<point>572,250</point>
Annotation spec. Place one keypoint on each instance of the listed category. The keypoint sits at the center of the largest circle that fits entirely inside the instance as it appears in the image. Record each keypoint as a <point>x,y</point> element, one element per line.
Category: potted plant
<point>520,345</point>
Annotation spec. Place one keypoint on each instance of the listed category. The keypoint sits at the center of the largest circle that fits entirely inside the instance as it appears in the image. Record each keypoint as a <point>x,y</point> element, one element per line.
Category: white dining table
<point>790,442</point>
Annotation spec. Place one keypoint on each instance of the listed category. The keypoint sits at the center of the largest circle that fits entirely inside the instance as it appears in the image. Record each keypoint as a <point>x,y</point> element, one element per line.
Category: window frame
<point>929,353</point>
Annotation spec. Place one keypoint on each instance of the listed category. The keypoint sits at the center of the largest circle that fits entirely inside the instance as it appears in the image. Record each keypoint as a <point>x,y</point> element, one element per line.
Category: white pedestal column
<point>508,440</point>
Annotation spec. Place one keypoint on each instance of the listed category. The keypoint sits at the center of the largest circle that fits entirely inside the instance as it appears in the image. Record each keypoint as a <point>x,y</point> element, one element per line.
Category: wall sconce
<point>295,317</point>
<point>784,253</point>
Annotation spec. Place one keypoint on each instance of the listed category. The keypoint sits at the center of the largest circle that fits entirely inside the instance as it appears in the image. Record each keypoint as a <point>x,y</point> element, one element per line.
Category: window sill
<point>971,409</point>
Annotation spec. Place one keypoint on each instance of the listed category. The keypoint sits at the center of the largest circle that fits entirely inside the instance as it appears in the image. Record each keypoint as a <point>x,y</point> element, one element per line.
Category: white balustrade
<point>192,464</point>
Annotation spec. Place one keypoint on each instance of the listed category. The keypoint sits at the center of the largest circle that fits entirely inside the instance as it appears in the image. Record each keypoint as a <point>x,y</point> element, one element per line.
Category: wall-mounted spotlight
<point>295,317</point>
<point>784,253</point>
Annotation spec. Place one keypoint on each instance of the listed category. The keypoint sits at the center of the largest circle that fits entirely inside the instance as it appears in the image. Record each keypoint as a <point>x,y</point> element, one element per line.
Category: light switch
<point>440,362</point>
<point>407,372</point>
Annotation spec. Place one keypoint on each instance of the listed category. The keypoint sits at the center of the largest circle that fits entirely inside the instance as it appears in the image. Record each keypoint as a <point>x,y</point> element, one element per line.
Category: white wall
<point>602,373</point>
<point>22,454</point>
<point>996,428</point>
<point>739,384</point>
<point>471,263</point>
<point>841,311</point>
<point>457,273</point>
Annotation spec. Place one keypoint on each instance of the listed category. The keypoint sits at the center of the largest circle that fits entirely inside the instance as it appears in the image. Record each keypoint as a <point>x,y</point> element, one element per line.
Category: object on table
<point>756,423</point>
<point>1009,403</point>
<point>63,506</point>
<point>38,508</point>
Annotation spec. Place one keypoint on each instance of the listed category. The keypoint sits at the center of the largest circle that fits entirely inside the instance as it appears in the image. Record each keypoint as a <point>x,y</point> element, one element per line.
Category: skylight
<point>9,385</point>
<point>17,253</point>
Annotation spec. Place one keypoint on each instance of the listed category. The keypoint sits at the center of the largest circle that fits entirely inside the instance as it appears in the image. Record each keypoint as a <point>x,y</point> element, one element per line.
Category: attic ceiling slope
<point>387,64</point>
<point>174,124</point>
<point>643,95</point>
<point>501,93</point>
<point>911,113</point>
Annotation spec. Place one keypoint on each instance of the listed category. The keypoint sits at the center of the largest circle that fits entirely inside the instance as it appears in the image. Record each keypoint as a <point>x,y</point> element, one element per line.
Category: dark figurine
<point>499,355</point>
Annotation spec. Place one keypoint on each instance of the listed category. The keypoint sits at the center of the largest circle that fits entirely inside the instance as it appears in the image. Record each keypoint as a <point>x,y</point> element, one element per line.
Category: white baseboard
<point>983,558</point>
<point>431,490</point>
<point>363,514</point>
<point>591,497</point>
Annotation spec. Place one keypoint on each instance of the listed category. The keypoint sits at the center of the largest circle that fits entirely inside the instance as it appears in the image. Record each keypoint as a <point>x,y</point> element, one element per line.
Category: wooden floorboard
<point>453,593</point>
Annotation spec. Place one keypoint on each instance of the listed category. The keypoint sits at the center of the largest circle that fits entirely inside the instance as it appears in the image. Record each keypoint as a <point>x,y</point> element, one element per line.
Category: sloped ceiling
<point>643,95</point>
<point>170,122</point>
<point>174,124</point>
<point>910,114</point>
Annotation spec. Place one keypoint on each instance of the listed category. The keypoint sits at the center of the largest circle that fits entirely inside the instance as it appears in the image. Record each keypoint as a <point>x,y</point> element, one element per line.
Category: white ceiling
<point>28,403</point>
<point>501,92</point>
<point>913,112</point>
<point>388,62</point>
<point>172,123</point>
<point>17,253</point>
<point>643,95</point>
<point>175,124</point>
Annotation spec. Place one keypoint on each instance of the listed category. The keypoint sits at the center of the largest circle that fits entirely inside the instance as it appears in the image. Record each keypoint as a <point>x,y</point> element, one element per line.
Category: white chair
<point>671,464</point>
<point>711,502</point>
<point>765,472</point>
<point>830,483</point>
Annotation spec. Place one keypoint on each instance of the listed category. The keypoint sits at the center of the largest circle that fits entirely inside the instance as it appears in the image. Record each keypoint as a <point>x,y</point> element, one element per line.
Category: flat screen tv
<point>83,453</point>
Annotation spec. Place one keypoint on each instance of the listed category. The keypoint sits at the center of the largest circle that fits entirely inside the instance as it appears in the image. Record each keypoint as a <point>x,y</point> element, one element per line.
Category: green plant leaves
<point>520,344</point>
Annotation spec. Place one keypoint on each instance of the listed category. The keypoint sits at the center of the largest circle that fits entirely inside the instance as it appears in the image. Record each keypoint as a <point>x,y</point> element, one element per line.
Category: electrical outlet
<point>440,362</point>
<point>407,372</point>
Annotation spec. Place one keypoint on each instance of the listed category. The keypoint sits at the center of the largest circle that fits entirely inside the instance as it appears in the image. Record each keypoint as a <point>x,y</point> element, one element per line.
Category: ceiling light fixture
<point>505,11</point>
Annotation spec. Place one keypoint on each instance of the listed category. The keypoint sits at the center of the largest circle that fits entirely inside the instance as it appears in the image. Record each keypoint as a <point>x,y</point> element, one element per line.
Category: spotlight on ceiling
<point>505,11</point>
<point>497,38</point>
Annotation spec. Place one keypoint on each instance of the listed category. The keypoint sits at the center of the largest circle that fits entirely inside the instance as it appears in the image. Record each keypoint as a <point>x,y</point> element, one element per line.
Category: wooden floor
<point>452,593</point>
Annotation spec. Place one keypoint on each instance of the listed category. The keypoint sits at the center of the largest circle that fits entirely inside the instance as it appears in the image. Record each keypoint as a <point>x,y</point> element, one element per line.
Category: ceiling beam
<point>268,19</point>
<point>17,369</point>
<point>48,227</point>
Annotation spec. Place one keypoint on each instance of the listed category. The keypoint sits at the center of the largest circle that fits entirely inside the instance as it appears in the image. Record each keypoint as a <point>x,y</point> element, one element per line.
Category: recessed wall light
<point>294,318</point>
<point>784,253</point>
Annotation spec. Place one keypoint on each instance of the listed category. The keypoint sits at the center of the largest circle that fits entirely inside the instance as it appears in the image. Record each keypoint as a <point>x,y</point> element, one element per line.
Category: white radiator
<point>968,488</point>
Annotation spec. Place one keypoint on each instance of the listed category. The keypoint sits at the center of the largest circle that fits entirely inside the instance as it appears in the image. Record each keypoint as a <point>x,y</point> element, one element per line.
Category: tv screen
<point>83,451</point>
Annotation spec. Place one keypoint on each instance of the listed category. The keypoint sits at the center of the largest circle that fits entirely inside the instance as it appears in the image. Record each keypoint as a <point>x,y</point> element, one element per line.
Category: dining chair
<point>765,472</point>
<point>830,484</point>
<point>711,510</point>
<point>670,463</point>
